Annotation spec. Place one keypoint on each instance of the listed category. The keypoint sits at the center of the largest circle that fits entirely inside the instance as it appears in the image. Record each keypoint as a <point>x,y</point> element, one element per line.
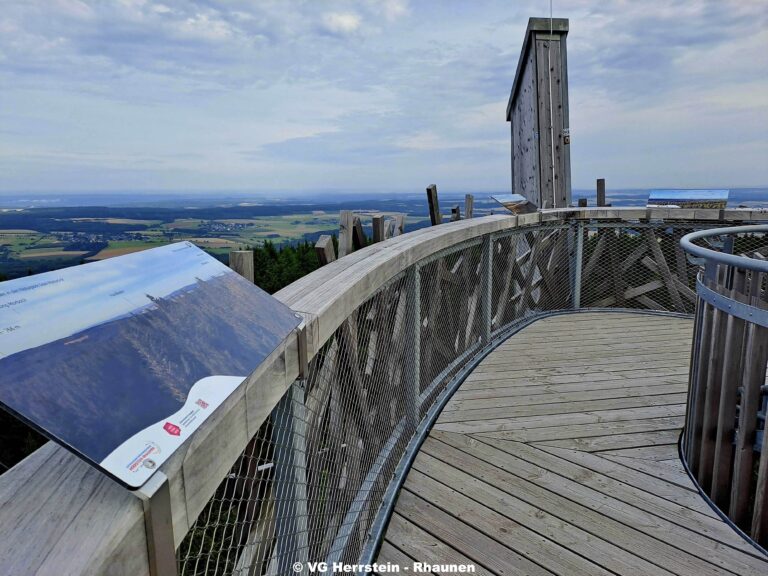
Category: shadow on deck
<point>558,455</point>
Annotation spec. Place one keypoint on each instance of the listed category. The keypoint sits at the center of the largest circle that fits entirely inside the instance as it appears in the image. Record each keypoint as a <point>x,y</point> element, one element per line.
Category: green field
<point>30,251</point>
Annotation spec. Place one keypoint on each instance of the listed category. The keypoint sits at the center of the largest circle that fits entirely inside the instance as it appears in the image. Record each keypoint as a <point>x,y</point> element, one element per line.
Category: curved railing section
<point>302,463</point>
<point>724,439</point>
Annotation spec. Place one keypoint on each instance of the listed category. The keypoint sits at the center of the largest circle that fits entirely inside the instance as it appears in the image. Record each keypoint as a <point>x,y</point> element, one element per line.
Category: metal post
<point>578,256</point>
<point>155,497</point>
<point>486,287</point>
<point>413,344</point>
<point>289,437</point>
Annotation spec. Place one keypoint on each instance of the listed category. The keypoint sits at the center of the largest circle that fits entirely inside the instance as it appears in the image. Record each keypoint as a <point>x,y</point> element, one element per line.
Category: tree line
<point>277,266</point>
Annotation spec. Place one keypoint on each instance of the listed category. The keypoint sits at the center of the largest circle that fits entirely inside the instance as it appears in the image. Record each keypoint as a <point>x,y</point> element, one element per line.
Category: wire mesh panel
<point>531,273</point>
<point>309,485</point>
<point>450,318</point>
<point>638,266</point>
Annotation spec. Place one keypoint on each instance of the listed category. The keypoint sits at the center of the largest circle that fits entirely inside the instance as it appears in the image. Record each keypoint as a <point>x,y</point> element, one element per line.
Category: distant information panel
<point>121,360</point>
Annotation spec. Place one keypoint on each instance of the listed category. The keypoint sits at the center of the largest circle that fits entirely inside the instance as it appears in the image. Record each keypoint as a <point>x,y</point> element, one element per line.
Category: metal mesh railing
<point>638,266</point>
<point>311,482</point>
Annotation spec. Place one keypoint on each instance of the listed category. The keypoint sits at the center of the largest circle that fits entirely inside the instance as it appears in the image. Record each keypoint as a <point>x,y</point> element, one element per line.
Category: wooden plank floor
<point>558,455</point>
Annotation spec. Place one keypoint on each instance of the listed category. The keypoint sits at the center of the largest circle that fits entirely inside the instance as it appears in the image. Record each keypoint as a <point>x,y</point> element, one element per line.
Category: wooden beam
<point>242,262</point>
<point>434,207</point>
<point>399,224</point>
<point>324,249</point>
<point>345,232</point>
<point>601,191</point>
<point>378,228</point>
<point>456,213</point>
<point>358,235</point>
<point>469,205</point>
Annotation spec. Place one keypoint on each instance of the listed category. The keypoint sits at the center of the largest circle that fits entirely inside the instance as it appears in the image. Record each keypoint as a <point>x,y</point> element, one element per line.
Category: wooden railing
<point>724,439</point>
<point>60,516</point>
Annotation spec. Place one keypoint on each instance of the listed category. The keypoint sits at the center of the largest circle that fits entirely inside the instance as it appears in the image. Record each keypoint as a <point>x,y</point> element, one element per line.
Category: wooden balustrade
<point>725,424</point>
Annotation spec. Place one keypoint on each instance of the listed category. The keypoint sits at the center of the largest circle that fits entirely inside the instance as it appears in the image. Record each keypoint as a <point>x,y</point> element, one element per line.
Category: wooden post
<point>378,228</point>
<point>242,262</point>
<point>582,202</point>
<point>601,191</point>
<point>345,232</point>
<point>456,213</point>
<point>289,435</point>
<point>434,207</point>
<point>486,287</point>
<point>412,374</point>
<point>399,224</point>
<point>358,236</point>
<point>155,496</point>
<point>324,249</point>
<point>469,205</point>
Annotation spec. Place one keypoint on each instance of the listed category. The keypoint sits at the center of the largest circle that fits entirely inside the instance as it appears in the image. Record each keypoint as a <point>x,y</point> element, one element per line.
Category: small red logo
<point>172,429</point>
<point>202,403</point>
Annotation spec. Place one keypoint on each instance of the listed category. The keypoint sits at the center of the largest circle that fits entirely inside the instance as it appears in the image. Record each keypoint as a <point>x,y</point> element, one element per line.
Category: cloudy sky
<point>391,95</point>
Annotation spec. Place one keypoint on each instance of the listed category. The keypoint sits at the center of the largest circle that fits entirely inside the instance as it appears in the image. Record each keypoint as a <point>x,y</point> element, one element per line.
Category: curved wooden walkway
<point>558,455</point>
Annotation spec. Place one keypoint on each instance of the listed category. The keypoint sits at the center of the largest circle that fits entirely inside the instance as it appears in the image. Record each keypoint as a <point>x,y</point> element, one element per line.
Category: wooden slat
<point>488,534</point>
<point>510,413</point>
<point>756,354</point>
<point>420,544</point>
<point>732,367</point>
<point>562,519</point>
<point>561,454</point>
<point>693,533</point>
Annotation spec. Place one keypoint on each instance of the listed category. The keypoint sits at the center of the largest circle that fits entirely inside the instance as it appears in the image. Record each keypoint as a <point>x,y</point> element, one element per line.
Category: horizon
<point>146,97</point>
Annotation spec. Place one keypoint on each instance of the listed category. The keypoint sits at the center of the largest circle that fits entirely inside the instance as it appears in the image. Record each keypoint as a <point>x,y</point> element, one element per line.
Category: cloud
<point>341,23</point>
<point>295,94</point>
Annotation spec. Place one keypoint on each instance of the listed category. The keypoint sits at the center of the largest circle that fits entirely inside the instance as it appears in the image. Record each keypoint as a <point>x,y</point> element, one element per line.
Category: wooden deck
<point>558,455</point>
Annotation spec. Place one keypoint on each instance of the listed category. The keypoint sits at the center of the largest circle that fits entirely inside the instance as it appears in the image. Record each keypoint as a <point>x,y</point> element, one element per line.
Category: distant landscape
<point>39,233</point>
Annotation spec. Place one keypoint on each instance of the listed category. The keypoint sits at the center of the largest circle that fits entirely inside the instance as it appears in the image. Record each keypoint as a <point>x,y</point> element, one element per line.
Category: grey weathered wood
<point>455,213</point>
<point>434,205</point>
<point>242,262</point>
<point>711,406</point>
<point>756,356</point>
<point>469,205</point>
<point>378,228</point>
<point>601,191</point>
<point>759,528</point>
<point>724,432</point>
<point>324,249</point>
<point>346,224</point>
<point>549,467</point>
<point>538,113</point>
<point>399,224</point>
<point>358,235</point>
<point>60,515</point>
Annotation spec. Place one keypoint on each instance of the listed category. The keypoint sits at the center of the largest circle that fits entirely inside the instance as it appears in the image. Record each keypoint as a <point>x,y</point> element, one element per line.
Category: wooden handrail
<point>60,515</point>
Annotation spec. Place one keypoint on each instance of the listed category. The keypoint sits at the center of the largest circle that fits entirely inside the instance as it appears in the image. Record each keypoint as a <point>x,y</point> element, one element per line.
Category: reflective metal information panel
<point>121,360</point>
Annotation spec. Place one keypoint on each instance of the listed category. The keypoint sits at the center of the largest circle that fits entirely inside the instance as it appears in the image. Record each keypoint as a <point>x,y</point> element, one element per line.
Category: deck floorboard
<point>570,467</point>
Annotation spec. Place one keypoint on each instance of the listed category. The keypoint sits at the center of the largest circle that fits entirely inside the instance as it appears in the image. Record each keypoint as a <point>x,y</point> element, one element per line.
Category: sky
<point>370,95</point>
<point>78,298</point>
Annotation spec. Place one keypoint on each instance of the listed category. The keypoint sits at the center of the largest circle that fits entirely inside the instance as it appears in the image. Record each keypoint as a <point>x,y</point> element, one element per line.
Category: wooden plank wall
<point>539,123</point>
<point>553,194</point>
<point>525,154</point>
